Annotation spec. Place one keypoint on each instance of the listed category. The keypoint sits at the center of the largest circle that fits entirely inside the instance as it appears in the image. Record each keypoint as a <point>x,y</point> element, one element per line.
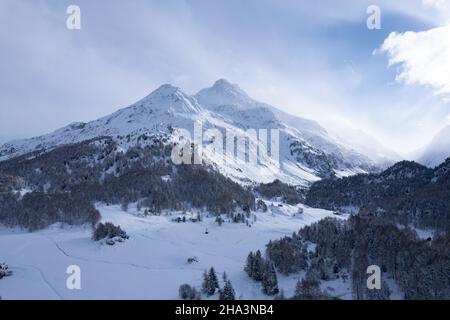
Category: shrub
<point>187,292</point>
<point>4,270</point>
<point>108,230</point>
<point>289,194</point>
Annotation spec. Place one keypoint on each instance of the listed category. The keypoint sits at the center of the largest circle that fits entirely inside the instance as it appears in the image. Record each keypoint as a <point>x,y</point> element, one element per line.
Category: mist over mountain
<point>437,150</point>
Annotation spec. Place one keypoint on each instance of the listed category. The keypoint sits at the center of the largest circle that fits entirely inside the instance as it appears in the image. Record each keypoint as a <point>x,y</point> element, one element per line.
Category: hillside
<point>406,193</point>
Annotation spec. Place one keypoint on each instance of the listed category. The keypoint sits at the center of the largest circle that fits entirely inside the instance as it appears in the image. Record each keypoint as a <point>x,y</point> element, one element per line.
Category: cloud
<point>423,58</point>
<point>310,59</point>
<point>52,76</point>
<point>435,3</point>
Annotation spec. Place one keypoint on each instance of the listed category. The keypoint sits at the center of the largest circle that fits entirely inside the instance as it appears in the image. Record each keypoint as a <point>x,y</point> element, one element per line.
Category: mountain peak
<point>225,86</point>
<point>166,98</point>
<point>223,93</point>
<point>166,90</point>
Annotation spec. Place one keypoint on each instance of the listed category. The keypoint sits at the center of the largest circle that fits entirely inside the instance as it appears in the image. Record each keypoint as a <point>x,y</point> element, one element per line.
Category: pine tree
<point>186,292</point>
<point>269,280</point>
<point>205,283</point>
<point>308,289</point>
<point>212,281</point>
<point>228,292</point>
<point>249,266</point>
<point>258,267</point>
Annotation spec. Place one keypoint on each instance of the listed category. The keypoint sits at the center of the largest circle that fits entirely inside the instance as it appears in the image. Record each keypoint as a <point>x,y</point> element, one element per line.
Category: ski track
<point>43,277</point>
<point>135,265</point>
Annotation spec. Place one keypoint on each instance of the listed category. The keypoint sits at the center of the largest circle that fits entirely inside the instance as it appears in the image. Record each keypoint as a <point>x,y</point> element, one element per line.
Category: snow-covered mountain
<point>307,151</point>
<point>346,154</point>
<point>437,150</point>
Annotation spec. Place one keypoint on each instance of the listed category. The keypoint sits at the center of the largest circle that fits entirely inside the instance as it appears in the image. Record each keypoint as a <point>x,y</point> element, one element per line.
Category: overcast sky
<point>315,59</point>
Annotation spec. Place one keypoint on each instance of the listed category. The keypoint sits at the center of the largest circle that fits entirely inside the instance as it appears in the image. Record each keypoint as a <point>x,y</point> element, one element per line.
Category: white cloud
<point>423,57</point>
<point>283,56</point>
<point>435,3</point>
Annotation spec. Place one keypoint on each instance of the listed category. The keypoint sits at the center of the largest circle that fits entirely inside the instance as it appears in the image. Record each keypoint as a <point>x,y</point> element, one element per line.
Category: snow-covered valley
<point>152,263</point>
<point>121,169</point>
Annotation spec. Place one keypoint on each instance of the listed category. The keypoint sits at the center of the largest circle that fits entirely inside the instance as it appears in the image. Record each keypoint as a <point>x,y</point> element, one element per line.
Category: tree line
<point>406,193</point>
<point>62,185</point>
<point>344,249</point>
<point>210,286</point>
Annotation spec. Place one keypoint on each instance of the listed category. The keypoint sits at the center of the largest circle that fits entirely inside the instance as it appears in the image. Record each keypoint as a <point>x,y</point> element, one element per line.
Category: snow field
<point>152,264</point>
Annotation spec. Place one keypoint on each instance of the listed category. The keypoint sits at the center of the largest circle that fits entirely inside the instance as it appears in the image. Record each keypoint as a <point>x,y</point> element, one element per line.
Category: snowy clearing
<point>152,264</point>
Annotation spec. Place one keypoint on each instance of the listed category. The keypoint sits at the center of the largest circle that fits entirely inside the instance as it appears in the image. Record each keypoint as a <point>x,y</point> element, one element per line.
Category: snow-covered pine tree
<point>213,282</point>
<point>309,288</point>
<point>258,267</point>
<point>205,283</point>
<point>228,292</point>
<point>249,266</point>
<point>186,292</point>
<point>269,279</point>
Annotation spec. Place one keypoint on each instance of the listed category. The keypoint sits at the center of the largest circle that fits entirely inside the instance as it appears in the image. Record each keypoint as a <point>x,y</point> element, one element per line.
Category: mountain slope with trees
<point>345,248</point>
<point>406,193</point>
<point>64,184</point>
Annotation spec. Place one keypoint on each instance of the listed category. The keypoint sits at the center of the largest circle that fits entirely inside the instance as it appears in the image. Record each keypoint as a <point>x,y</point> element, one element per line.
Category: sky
<point>315,59</point>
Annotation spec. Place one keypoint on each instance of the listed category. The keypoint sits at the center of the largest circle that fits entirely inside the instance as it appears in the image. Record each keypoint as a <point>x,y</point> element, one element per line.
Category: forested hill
<point>406,193</point>
<point>412,268</point>
<point>63,185</point>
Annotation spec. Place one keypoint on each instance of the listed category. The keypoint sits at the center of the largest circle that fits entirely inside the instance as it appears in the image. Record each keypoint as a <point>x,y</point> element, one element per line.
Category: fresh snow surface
<point>152,264</point>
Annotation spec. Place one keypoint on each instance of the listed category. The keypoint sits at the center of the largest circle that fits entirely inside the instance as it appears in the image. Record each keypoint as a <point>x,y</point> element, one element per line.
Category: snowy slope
<point>152,264</point>
<point>231,103</point>
<point>437,151</point>
<point>166,105</point>
<point>307,151</point>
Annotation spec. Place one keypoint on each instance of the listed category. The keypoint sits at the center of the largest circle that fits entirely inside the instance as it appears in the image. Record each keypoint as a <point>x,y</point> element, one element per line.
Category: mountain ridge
<point>406,193</point>
<point>307,151</point>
